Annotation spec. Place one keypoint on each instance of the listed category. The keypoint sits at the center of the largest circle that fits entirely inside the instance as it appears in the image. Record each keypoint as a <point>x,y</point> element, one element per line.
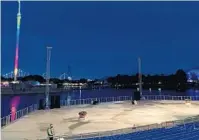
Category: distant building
<point>32,83</point>
<point>193,75</point>
<point>74,85</point>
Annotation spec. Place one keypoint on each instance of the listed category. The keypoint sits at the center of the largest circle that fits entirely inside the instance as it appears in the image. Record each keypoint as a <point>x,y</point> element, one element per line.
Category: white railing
<point>169,97</point>
<point>168,124</point>
<point>9,90</point>
<point>89,100</point>
<point>125,98</point>
<point>8,120</point>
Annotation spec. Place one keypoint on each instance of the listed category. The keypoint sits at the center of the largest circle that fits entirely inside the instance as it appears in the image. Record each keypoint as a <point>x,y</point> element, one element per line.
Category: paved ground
<point>102,117</point>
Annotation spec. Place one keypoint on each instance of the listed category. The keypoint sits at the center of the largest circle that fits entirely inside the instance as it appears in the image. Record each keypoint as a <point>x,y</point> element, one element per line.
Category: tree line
<point>177,81</point>
<point>173,81</point>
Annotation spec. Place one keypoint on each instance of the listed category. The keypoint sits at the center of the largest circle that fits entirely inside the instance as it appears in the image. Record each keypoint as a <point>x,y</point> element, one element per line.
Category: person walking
<point>50,132</point>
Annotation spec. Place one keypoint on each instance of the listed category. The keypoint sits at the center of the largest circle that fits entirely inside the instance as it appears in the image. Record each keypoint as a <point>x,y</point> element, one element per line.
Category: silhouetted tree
<point>151,81</point>
<point>34,78</point>
<point>181,80</point>
<point>181,76</point>
<point>56,81</point>
<point>2,78</point>
<point>82,80</point>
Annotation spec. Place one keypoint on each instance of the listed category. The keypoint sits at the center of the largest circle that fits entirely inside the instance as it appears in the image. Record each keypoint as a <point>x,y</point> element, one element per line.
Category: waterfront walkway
<point>102,117</point>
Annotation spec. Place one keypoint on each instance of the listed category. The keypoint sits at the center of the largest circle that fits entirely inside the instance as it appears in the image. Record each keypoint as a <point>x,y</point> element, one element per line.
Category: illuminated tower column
<point>17,42</point>
<point>48,75</point>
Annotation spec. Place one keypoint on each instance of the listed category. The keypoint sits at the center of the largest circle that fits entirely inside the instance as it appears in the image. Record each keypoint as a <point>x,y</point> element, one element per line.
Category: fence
<point>9,90</point>
<point>8,119</point>
<point>168,97</point>
<point>168,124</point>
<point>126,98</point>
<point>89,100</point>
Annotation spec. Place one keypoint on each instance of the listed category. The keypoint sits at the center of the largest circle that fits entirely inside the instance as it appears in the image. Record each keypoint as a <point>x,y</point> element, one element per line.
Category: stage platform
<point>102,117</point>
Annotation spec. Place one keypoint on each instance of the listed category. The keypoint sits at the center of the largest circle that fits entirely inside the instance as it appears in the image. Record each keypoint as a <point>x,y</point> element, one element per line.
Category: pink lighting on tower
<point>16,63</point>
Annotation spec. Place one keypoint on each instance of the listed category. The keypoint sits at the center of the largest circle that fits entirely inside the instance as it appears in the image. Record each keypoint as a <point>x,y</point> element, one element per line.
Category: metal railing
<point>20,113</point>
<point>169,97</point>
<point>30,90</point>
<point>7,120</point>
<point>168,124</point>
<point>126,98</point>
<point>89,100</point>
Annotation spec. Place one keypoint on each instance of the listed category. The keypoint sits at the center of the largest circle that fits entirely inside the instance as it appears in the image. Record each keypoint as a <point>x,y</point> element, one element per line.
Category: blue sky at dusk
<point>99,39</point>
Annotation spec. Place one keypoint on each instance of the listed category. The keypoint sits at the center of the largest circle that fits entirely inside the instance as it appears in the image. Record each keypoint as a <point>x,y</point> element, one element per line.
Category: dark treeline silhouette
<point>177,81</point>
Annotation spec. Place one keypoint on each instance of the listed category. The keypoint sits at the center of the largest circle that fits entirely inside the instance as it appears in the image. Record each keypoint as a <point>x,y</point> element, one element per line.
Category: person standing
<point>50,132</point>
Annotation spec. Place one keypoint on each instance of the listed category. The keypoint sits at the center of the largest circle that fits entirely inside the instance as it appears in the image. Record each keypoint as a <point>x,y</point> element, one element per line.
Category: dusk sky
<point>100,39</point>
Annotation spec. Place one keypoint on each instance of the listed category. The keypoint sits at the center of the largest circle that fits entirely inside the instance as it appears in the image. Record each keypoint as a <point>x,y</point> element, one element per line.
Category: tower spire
<point>17,41</point>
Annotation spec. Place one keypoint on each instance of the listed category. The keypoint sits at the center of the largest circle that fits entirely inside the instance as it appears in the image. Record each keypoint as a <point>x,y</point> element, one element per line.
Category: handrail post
<point>27,110</point>
<point>22,112</point>
<point>184,123</point>
<point>16,115</point>
<point>194,126</point>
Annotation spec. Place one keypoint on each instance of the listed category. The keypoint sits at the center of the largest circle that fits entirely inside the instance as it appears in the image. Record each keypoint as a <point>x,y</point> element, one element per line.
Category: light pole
<point>47,75</point>
<point>140,76</point>
<point>80,93</point>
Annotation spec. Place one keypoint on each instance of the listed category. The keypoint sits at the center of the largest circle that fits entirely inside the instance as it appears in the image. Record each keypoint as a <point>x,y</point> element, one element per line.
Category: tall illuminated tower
<point>17,41</point>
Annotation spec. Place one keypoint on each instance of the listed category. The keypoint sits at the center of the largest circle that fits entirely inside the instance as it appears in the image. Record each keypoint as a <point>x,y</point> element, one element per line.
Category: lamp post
<point>140,76</point>
<point>80,93</point>
<point>47,75</point>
